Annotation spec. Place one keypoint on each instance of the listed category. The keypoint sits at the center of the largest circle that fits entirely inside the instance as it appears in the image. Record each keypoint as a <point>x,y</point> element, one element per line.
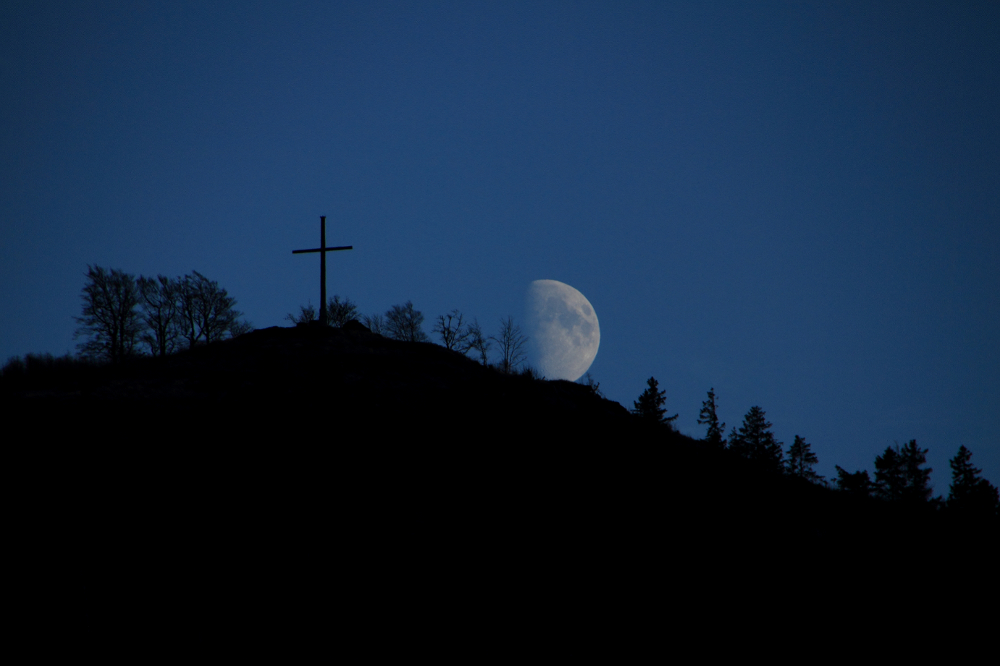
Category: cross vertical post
<point>324,316</point>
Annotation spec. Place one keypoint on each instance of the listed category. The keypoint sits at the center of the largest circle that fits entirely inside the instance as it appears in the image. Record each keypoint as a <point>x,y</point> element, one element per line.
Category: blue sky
<point>796,205</point>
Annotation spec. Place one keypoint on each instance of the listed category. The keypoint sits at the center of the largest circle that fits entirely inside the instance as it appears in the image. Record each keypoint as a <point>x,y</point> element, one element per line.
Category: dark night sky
<point>794,204</point>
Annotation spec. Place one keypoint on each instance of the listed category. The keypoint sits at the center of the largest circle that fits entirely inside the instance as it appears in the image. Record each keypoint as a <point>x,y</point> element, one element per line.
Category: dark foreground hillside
<point>341,458</point>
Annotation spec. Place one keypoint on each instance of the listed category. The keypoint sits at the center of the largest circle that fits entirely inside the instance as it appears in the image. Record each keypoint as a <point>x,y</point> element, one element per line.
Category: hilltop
<point>401,445</point>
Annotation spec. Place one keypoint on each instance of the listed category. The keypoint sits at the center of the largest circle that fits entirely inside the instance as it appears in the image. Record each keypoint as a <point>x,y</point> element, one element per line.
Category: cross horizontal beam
<point>325,249</point>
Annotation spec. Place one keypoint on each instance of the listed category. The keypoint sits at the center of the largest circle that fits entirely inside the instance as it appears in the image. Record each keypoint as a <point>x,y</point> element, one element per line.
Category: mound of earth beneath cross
<point>391,456</point>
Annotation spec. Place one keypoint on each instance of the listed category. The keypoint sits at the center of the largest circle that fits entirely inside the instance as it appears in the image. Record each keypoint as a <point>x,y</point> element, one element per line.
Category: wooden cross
<point>323,249</point>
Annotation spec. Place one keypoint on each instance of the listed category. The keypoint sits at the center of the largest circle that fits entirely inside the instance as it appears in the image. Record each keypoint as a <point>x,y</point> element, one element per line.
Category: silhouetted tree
<point>207,312</point>
<point>755,441</point>
<point>889,475</point>
<point>453,334</point>
<point>595,386</point>
<point>402,322</point>
<point>159,303</point>
<point>899,474</point>
<point>339,312</point>
<point>375,323</point>
<point>239,327</point>
<point>714,435</point>
<point>916,477</point>
<point>801,460</point>
<point>511,345</point>
<point>856,483</point>
<point>970,494</point>
<point>651,404</point>
<point>111,322</point>
<point>307,313</point>
<point>478,343</point>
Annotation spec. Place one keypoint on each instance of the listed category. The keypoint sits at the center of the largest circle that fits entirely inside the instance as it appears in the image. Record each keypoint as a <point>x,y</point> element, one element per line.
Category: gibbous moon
<point>562,330</point>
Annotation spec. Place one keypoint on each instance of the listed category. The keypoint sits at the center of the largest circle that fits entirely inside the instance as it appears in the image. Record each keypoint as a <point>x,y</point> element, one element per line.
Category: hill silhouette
<point>405,456</point>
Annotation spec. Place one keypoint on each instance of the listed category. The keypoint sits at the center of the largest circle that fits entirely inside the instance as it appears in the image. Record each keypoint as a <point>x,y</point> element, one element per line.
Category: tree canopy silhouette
<point>714,434</point>
<point>855,483</point>
<point>971,494</point>
<point>338,312</point>
<point>454,335</point>
<point>651,405</point>
<point>403,322</point>
<point>110,321</point>
<point>801,460</point>
<point>900,475</point>
<point>207,311</point>
<point>119,312</point>
<point>755,441</point>
<point>161,314</point>
<point>511,345</point>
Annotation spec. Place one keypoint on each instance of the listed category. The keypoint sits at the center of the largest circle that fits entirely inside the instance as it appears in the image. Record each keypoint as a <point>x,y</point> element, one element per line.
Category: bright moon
<point>562,330</point>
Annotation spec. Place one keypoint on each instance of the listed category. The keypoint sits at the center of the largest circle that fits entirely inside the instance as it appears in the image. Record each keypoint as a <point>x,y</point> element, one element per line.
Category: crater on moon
<point>562,329</point>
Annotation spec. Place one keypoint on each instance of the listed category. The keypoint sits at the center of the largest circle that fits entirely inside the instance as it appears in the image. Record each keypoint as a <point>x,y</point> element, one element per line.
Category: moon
<point>563,333</point>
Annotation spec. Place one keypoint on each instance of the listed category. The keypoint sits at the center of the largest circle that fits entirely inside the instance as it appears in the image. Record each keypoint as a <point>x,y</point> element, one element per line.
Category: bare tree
<point>160,314</point>
<point>110,321</point>
<point>375,323</point>
<point>477,342</point>
<point>307,314</point>
<point>339,312</point>
<point>240,327</point>
<point>403,323</point>
<point>511,344</point>
<point>453,334</point>
<point>206,310</point>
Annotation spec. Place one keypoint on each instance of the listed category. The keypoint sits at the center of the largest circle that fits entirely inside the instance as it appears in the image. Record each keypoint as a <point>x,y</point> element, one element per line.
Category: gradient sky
<point>794,204</point>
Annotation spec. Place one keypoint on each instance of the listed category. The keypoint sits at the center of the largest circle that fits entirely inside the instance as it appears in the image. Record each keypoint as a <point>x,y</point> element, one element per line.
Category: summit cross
<point>323,249</point>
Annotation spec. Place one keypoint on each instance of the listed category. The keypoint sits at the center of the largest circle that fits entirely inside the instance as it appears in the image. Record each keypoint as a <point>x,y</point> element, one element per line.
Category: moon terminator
<point>564,333</point>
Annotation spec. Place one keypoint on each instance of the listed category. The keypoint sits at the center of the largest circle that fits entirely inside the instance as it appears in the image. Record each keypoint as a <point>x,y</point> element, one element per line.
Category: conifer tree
<point>963,474</point>
<point>650,405</point>
<point>900,475</point>
<point>917,479</point>
<point>855,483</point>
<point>708,417</point>
<point>889,475</point>
<point>801,460</point>
<point>969,493</point>
<point>755,441</point>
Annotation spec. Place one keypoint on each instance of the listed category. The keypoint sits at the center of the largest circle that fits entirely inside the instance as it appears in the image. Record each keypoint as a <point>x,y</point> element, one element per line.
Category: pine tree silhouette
<point>708,417</point>
<point>650,405</point>
<point>971,495</point>
<point>855,483</point>
<point>755,441</point>
<point>900,475</point>
<point>801,460</point>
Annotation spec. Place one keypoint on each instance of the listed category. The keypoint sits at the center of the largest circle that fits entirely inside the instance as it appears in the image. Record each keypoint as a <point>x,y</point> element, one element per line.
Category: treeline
<point>125,316</point>
<point>404,322</point>
<point>901,474</point>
